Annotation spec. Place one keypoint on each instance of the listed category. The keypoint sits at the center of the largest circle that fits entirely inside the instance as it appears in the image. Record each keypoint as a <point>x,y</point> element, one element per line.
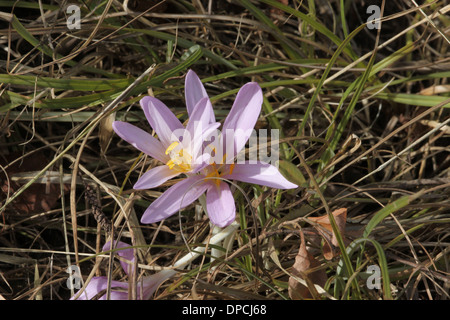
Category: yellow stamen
<point>170,163</point>
<point>223,158</point>
<point>232,168</point>
<point>180,160</point>
<point>172,146</point>
<point>214,174</point>
<point>185,167</point>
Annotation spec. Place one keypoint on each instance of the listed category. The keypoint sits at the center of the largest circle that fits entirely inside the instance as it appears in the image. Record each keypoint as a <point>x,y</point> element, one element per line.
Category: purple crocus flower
<point>119,290</point>
<point>206,178</point>
<point>179,148</point>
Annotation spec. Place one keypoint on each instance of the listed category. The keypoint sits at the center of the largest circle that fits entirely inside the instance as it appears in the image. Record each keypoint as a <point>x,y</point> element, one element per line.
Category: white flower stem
<point>165,274</point>
<point>215,239</point>
<point>215,253</point>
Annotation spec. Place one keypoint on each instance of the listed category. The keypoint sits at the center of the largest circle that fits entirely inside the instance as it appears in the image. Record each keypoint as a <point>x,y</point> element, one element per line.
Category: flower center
<point>180,159</point>
<point>217,171</point>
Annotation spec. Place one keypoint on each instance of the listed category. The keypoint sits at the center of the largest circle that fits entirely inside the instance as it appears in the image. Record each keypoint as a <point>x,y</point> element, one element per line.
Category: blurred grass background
<point>363,117</point>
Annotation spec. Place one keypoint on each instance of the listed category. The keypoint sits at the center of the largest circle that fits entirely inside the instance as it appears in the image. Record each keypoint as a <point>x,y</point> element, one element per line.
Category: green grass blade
<point>315,24</point>
<point>413,99</point>
<point>387,210</point>
<point>183,43</point>
<point>23,32</point>
<point>381,260</point>
<point>66,84</point>
<point>289,47</point>
<point>102,97</point>
<point>333,59</point>
<point>343,20</point>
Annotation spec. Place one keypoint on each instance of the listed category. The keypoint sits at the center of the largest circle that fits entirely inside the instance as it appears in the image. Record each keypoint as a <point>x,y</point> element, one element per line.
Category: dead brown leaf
<point>106,132</point>
<point>330,247</point>
<point>435,89</point>
<point>305,267</point>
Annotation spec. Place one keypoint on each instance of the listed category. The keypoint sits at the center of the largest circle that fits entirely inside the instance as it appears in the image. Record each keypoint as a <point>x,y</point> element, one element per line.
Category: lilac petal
<point>127,254</point>
<point>200,117</point>
<point>194,91</point>
<point>151,283</point>
<point>175,198</point>
<point>220,205</point>
<point>162,120</point>
<point>199,127</point>
<point>260,173</point>
<point>243,115</point>
<point>198,147</point>
<point>148,284</point>
<point>201,162</point>
<point>117,295</point>
<point>155,177</point>
<point>98,284</point>
<point>145,287</point>
<point>141,140</point>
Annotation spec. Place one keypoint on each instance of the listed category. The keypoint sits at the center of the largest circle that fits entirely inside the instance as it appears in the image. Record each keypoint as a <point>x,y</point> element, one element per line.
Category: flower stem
<point>217,238</point>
